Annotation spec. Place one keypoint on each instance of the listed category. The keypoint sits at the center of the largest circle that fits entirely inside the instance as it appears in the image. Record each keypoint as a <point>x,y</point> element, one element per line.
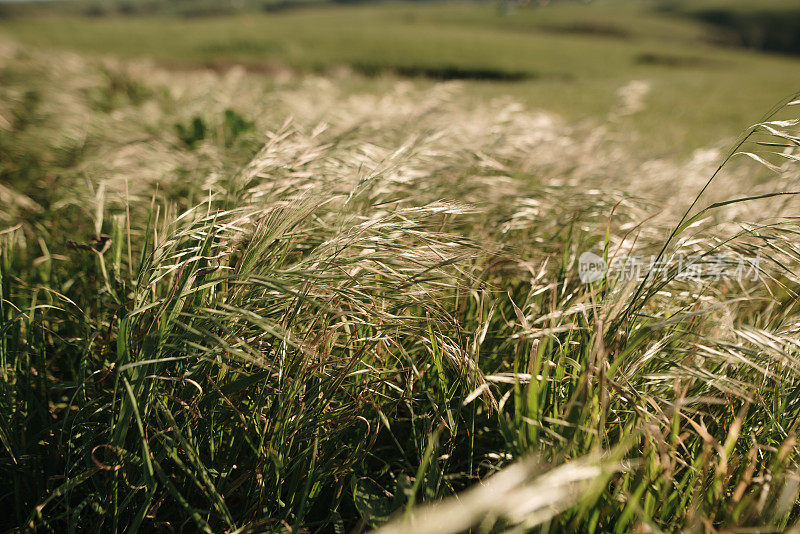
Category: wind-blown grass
<point>567,57</point>
<point>379,311</point>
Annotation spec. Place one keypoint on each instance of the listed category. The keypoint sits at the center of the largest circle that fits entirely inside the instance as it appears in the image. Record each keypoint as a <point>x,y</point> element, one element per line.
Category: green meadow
<point>568,58</point>
<point>399,267</point>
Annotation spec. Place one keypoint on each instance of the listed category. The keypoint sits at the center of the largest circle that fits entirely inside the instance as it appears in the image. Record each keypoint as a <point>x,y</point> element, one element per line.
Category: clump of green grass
<point>379,311</point>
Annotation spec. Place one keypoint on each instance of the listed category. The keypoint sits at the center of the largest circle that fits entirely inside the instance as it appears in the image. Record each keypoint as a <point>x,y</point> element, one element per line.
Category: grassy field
<point>570,59</point>
<point>327,293</point>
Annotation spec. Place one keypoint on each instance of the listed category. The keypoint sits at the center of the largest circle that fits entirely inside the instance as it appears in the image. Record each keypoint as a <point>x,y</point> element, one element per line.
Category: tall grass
<point>379,311</point>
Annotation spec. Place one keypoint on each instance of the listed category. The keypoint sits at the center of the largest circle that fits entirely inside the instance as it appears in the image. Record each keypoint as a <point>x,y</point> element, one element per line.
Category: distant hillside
<point>768,25</point>
<point>147,7</point>
<point>186,8</point>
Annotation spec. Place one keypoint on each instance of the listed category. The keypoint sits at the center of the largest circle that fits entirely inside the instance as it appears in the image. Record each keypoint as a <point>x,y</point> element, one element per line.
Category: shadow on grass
<point>771,31</point>
<point>447,72</point>
<point>597,29</point>
<point>674,61</point>
<point>775,29</point>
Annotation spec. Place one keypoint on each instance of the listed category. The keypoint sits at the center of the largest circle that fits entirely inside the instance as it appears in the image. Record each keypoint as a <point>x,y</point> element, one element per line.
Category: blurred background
<point>679,74</point>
